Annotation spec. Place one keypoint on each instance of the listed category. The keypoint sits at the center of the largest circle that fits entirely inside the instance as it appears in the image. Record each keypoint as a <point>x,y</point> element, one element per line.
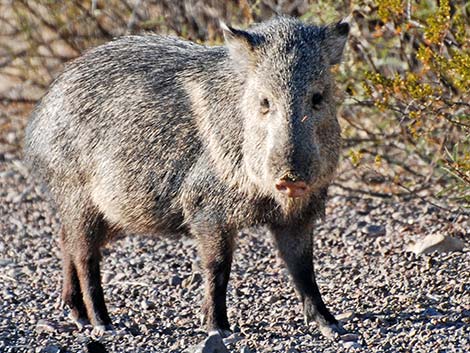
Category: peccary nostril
<point>292,188</point>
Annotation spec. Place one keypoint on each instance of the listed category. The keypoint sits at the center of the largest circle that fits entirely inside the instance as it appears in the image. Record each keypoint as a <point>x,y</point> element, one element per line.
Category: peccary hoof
<point>80,322</point>
<point>332,331</point>
<point>100,330</point>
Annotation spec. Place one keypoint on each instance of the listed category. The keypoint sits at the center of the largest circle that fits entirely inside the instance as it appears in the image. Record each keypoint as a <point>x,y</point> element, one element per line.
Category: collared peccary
<point>151,134</point>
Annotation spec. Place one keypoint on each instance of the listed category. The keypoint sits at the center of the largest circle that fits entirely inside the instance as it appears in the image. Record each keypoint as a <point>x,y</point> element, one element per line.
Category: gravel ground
<point>394,300</point>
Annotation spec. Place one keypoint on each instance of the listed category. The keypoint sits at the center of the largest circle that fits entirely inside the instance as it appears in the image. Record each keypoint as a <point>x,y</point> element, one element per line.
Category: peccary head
<point>291,134</point>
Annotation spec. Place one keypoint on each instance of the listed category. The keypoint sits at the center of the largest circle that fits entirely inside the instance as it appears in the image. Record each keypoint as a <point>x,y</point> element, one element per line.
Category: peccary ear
<point>335,39</point>
<point>241,45</point>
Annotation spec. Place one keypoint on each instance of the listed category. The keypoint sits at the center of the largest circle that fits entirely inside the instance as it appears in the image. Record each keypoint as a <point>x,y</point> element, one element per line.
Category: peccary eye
<point>264,106</point>
<point>317,98</point>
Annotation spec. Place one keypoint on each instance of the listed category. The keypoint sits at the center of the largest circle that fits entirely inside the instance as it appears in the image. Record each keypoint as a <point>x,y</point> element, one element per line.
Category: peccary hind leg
<point>295,247</point>
<point>216,259</point>
<point>71,293</point>
<point>82,290</point>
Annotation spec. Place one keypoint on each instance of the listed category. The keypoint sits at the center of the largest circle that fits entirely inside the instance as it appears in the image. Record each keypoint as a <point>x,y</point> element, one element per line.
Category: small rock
<point>192,281</point>
<point>175,280</point>
<point>147,304</point>
<point>51,349</point>
<point>4,262</point>
<point>349,337</point>
<point>429,312</point>
<point>351,345</point>
<point>232,339</point>
<point>437,242</point>
<point>10,138</point>
<point>362,208</point>
<point>272,299</point>
<point>45,326</point>
<point>346,316</point>
<point>361,224</point>
<point>212,344</point>
<point>375,230</point>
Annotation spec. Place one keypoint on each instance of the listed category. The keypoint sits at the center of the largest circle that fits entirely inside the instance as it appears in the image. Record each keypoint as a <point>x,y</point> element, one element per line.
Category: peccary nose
<point>292,188</point>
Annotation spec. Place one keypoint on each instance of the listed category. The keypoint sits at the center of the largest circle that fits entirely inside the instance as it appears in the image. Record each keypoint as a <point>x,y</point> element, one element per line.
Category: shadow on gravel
<point>96,347</point>
<point>431,317</point>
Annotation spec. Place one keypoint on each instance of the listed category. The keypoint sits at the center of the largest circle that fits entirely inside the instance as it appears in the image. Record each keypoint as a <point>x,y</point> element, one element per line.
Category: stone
<point>375,230</point>
<point>349,337</point>
<point>51,349</point>
<point>147,305</point>
<point>232,339</point>
<point>246,349</point>
<point>273,299</point>
<point>346,316</point>
<point>351,345</point>
<point>212,344</point>
<point>175,280</point>
<point>192,281</point>
<point>437,242</point>
<point>45,326</point>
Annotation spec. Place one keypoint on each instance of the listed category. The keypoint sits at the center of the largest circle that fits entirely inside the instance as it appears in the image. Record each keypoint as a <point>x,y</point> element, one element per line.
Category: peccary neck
<point>215,97</point>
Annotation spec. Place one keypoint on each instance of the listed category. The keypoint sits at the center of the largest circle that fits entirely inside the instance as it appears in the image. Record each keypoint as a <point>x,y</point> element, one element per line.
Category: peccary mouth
<point>292,189</point>
<point>291,185</point>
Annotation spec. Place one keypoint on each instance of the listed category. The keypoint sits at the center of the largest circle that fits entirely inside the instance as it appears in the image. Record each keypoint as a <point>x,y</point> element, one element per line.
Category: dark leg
<point>82,269</point>
<point>216,260</point>
<point>71,293</point>
<point>88,271</point>
<point>296,249</point>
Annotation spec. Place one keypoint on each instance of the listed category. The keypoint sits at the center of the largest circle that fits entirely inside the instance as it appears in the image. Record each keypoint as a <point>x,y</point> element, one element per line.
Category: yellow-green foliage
<point>418,78</point>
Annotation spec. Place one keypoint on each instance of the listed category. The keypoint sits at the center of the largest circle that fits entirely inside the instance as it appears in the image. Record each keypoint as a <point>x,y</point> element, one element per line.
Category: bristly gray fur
<point>139,125</point>
<point>156,134</point>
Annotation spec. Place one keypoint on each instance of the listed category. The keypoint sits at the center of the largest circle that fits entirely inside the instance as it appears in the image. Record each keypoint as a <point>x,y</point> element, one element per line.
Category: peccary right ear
<point>241,45</point>
<point>335,39</point>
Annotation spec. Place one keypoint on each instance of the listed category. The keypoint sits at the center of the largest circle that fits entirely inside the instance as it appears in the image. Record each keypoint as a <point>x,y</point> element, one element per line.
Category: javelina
<point>151,134</point>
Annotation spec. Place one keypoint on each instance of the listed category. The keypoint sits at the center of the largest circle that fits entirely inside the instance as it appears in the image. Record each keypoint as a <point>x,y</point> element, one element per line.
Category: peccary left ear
<point>241,45</point>
<point>335,39</point>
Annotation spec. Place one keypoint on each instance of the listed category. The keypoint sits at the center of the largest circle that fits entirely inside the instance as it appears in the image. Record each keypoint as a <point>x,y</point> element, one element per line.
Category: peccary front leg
<point>295,245</point>
<point>216,251</point>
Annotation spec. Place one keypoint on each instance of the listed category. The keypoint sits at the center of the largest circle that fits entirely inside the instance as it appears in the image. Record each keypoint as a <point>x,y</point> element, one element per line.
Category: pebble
<point>375,230</point>
<point>192,281</point>
<point>232,339</point>
<point>45,326</point>
<point>212,344</point>
<point>175,280</point>
<point>51,349</point>
<point>349,337</point>
<point>345,316</point>
<point>437,243</point>
<point>147,304</point>
<point>351,345</point>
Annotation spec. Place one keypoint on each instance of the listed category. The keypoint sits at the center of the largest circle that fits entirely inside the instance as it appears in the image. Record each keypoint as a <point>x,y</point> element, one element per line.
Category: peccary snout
<point>291,186</point>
